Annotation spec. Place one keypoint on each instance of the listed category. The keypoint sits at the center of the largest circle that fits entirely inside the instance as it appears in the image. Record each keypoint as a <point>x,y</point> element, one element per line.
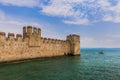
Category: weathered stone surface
<point>32,45</point>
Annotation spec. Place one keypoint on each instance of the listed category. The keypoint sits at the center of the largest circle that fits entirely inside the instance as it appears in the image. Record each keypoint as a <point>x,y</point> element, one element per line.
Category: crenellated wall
<point>32,45</point>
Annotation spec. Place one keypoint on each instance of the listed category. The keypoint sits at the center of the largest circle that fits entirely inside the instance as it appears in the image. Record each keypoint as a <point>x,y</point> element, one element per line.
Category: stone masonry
<point>31,45</point>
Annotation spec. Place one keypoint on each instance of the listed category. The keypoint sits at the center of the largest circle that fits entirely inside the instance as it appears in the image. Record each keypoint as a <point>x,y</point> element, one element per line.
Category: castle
<point>31,45</point>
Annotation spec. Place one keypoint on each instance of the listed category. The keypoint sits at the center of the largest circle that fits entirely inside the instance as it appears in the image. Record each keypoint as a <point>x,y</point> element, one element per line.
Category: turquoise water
<point>89,66</point>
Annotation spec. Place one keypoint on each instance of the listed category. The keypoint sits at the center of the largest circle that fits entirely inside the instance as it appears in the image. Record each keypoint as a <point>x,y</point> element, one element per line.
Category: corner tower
<point>74,41</point>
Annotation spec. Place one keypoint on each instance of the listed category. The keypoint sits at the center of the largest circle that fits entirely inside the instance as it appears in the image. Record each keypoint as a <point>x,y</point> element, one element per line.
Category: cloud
<point>58,10</point>
<point>104,3</point>
<point>112,18</point>
<point>76,12</point>
<point>77,22</point>
<point>112,12</point>
<point>64,8</point>
<point>13,24</point>
<point>23,3</point>
<point>82,11</point>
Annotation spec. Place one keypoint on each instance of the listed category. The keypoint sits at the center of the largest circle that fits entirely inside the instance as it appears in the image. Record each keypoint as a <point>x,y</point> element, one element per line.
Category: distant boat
<point>101,52</point>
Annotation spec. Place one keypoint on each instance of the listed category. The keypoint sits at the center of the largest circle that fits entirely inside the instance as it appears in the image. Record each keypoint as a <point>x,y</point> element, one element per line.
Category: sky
<point>96,21</point>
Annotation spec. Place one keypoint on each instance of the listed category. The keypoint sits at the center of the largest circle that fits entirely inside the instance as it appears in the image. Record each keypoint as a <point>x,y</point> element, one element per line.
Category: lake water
<point>89,66</point>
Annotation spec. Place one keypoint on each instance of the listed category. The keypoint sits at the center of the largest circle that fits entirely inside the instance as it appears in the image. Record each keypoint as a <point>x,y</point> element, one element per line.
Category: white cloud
<point>77,22</point>
<point>21,3</point>
<point>14,25</point>
<point>112,18</point>
<point>112,12</point>
<point>107,18</point>
<point>75,12</point>
<point>82,11</point>
<point>104,3</point>
<point>61,8</point>
<point>64,8</point>
<point>58,10</point>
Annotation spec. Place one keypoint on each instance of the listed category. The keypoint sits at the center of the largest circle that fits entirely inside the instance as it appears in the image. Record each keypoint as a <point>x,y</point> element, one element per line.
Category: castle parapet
<point>52,41</point>
<point>59,41</point>
<point>19,37</point>
<point>49,40</point>
<point>24,32</point>
<point>39,32</point>
<point>42,39</point>
<point>11,36</point>
<point>45,40</point>
<point>32,35</point>
<point>55,41</point>
<point>29,30</point>
<point>2,35</point>
<point>35,32</point>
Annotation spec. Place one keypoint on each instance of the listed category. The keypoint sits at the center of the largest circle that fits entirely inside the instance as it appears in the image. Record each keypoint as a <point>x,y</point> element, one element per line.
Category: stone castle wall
<point>32,45</point>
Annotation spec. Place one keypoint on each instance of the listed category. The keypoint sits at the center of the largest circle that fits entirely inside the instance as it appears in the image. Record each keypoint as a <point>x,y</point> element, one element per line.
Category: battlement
<point>32,45</point>
<point>73,35</point>
<point>52,41</point>
<point>73,38</point>
<point>19,37</point>
<point>31,31</point>
<point>2,33</point>
<point>10,37</point>
<point>33,36</point>
<point>2,36</point>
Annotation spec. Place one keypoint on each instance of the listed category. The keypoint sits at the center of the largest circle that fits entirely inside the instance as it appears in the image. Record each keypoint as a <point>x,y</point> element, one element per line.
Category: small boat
<point>101,52</point>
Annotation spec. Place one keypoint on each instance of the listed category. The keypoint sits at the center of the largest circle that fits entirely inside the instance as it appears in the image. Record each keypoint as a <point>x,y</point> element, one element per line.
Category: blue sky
<point>96,21</point>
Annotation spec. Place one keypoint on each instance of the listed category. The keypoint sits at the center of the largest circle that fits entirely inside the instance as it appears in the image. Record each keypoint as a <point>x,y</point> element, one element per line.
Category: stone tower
<point>33,35</point>
<point>74,41</point>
